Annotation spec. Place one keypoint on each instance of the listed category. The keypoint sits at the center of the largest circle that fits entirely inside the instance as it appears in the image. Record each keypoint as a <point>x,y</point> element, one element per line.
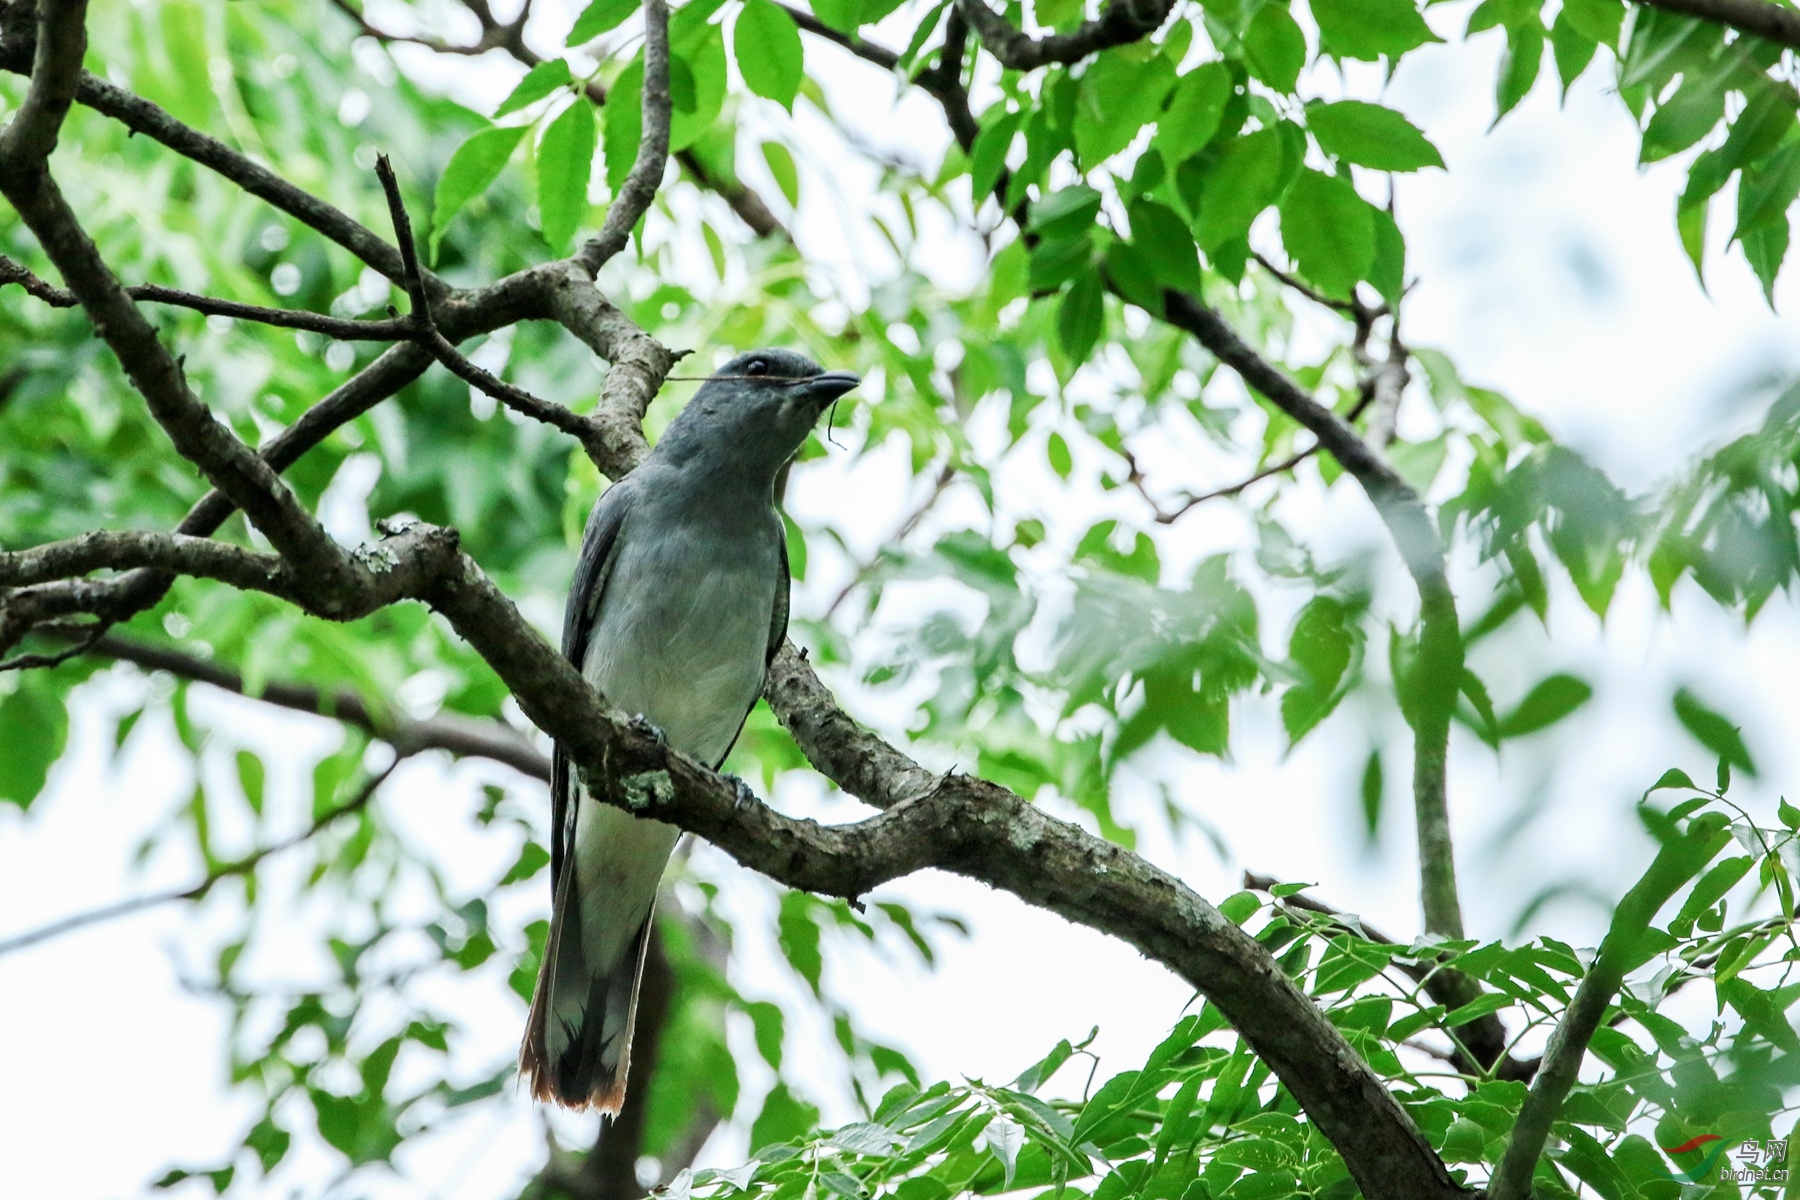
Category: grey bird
<point>679,602</point>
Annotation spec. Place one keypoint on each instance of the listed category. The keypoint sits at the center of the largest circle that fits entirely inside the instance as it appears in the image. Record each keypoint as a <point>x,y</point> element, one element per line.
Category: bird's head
<point>755,411</point>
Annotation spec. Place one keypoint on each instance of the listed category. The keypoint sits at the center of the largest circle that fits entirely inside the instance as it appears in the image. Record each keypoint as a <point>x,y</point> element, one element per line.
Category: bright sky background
<point>1548,268</point>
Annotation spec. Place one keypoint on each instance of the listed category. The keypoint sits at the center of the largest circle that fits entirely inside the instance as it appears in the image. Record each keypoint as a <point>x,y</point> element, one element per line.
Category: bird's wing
<point>778,619</point>
<point>778,623</point>
<point>599,548</point>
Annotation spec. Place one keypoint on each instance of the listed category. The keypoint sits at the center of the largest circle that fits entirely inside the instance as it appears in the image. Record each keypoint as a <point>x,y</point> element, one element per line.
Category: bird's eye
<point>756,366</point>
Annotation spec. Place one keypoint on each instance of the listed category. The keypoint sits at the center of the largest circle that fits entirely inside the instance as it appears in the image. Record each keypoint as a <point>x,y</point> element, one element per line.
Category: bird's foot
<point>744,795</point>
<point>640,724</point>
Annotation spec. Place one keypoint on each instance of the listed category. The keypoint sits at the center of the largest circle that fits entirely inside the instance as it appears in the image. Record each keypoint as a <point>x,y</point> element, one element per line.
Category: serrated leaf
<point>1370,29</point>
<point>1328,230</point>
<point>470,172</point>
<point>1274,47</point>
<point>601,16</point>
<point>565,164</point>
<point>539,82</point>
<point>1195,108</point>
<point>1371,135</point>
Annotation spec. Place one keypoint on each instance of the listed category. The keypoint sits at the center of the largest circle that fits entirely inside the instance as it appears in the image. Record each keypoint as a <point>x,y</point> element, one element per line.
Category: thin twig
<point>343,329</point>
<point>464,737</point>
<point>423,330</point>
<point>86,635</point>
<point>901,532</point>
<point>241,866</point>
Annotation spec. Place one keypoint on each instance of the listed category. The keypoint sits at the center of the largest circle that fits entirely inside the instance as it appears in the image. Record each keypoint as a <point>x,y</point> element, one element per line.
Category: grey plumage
<point>679,601</point>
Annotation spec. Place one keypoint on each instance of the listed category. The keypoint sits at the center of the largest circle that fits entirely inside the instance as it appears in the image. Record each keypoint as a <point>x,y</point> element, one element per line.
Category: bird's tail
<point>577,1049</point>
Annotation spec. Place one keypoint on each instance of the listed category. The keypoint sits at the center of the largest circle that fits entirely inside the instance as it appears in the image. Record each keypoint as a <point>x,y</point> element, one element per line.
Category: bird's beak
<point>824,388</point>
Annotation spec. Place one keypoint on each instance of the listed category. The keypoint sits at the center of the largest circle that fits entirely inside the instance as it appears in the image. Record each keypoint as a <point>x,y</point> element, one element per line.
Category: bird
<point>678,605</point>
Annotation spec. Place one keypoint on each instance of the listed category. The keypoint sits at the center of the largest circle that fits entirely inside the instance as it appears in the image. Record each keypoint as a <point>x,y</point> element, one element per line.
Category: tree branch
<point>463,737</point>
<point>1776,22</point>
<point>241,866</point>
<point>1483,1038</point>
<point>641,183</point>
<point>1428,693</point>
<point>335,327</point>
<point>231,466</point>
<point>422,328</point>
<point>1119,22</point>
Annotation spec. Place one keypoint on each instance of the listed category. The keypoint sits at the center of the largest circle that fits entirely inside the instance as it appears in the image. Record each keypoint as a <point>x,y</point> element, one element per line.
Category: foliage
<point>1046,654</point>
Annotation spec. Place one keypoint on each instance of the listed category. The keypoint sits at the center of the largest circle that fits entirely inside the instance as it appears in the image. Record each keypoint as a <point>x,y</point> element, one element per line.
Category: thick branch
<point>1120,22</point>
<point>232,466</point>
<point>1776,22</point>
<point>56,70</point>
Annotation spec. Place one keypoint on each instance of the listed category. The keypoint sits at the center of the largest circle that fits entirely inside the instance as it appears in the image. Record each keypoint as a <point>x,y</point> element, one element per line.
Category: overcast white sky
<point>1549,269</point>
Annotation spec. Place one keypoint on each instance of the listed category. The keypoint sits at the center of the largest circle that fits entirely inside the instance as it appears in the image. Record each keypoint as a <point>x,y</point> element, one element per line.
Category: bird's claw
<point>744,795</point>
<point>640,724</point>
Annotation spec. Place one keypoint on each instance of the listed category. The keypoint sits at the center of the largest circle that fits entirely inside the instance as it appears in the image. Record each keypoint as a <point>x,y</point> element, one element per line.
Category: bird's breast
<point>682,632</point>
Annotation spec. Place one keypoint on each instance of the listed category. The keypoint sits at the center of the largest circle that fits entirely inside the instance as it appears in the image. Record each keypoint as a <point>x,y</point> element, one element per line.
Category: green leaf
<point>565,163</point>
<point>539,82</point>
<point>532,859</point>
<point>1371,135</point>
<point>784,1116</point>
<point>781,165</point>
<point>1387,273</point>
<point>1321,646</point>
<point>1118,95</point>
<point>1544,705</point>
<point>1766,249</point>
<point>766,43</point>
<point>37,726</point>
<point>987,158</point>
<point>250,777</point>
<point>1768,190</point>
<point>1196,107</point>
<point>1060,459</point>
<point>1274,47</point>
<point>1713,731</point>
<point>624,117</point>
<point>1245,180</point>
<point>770,1026</point>
<point>1571,50</point>
<point>1369,791</point>
<point>1674,777</point>
<point>1328,230</point>
<point>1520,64</point>
<point>1240,906</point>
<point>1370,29</point>
<point>1065,213</point>
<point>1477,692</point>
<point>1166,244</point>
<point>470,172</point>
<point>601,16</point>
<point>1597,20</point>
<point>1081,315</point>
<point>1481,1006</point>
<point>1688,116</point>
